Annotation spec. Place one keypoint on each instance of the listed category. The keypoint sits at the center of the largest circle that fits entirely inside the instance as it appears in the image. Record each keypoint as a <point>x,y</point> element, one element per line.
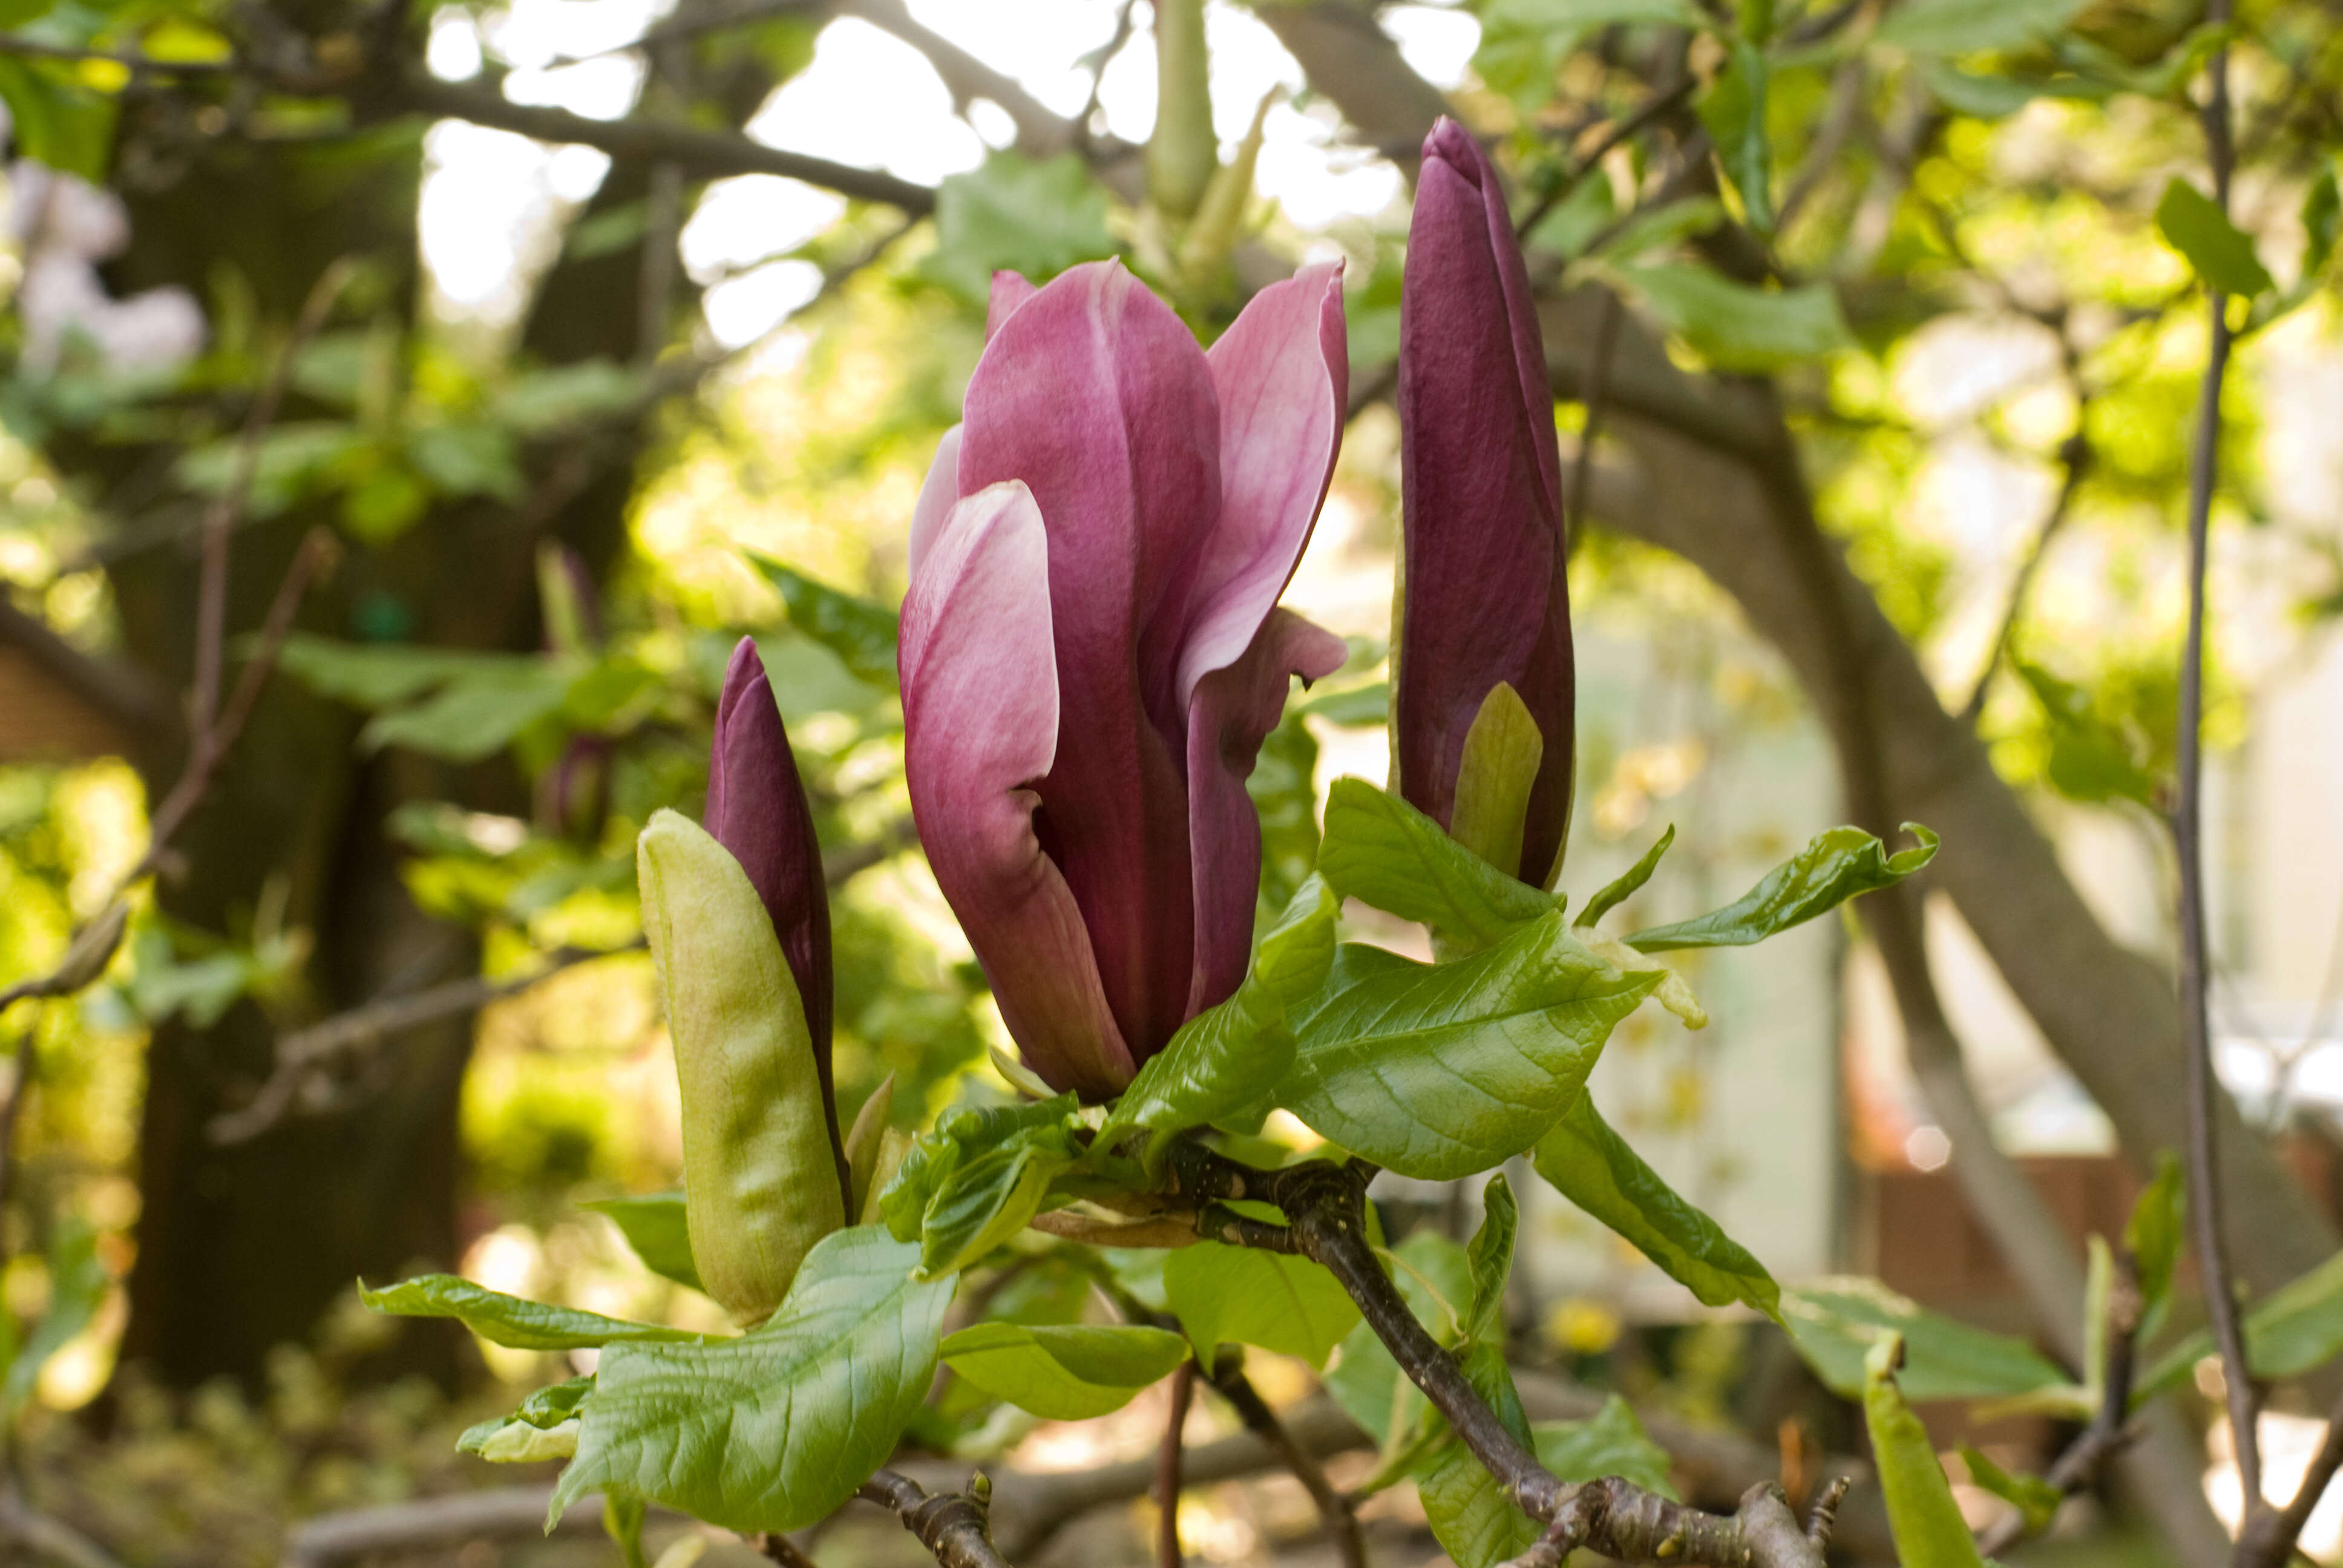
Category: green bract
<point>759,1177</point>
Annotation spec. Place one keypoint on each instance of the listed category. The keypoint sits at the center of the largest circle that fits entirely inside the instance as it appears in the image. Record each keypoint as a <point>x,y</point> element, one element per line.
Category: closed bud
<point>759,1171</point>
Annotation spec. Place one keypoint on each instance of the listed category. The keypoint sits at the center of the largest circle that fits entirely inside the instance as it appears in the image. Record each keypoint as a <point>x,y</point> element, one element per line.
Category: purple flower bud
<point>757,810</point>
<point>1092,653</point>
<point>1481,495</point>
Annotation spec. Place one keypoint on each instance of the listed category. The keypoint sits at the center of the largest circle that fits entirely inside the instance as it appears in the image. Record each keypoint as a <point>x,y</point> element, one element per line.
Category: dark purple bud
<point>1481,494</point>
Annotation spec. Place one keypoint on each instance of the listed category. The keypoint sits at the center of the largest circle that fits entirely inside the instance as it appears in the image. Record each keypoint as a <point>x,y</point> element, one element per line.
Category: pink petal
<point>1009,290</point>
<point>1235,709</point>
<point>1283,373</point>
<point>979,726</point>
<point>937,492</point>
<point>1093,394</point>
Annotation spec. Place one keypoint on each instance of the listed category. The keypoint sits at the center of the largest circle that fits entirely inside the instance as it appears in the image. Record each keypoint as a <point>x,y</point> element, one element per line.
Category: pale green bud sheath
<point>759,1168</point>
<point>1183,153</point>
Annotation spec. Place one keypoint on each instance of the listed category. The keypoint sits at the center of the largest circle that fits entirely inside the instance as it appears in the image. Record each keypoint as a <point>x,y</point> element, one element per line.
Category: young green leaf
<point>2221,254</point>
<point>866,1139</point>
<point>1591,1165</point>
<point>1224,1063</point>
<point>2295,1328</point>
<point>1502,753</point>
<point>2153,1238</point>
<point>1611,1441</point>
<point>1628,883</point>
<point>506,1441</point>
<point>1835,1323</point>
<point>1736,327</point>
<point>1834,867</point>
<point>76,1287</point>
<point>1069,1372</point>
<point>2036,1500</point>
<point>655,1229</point>
<point>1921,1513</point>
<point>1237,1295</point>
<point>511,1321</point>
<point>1971,26</point>
<point>1381,850</point>
<point>773,1430</point>
<point>862,634</point>
<point>1490,1258</point>
<point>977,1178</point>
<point>1443,1070</point>
<point>1470,1515</point>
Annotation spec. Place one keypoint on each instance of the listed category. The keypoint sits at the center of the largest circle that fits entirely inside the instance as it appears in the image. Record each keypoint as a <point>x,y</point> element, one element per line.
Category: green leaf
<point>467,459</point>
<point>862,634</point>
<point>1921,1513</point>
<point>1968,27</point>
<point>1836,866</point>
<point>1611,1441</point>
<point>773,1430</point>
<point>1443,1070</point>
<point>1733,110</point>
<point>2153,1237</point>
<point>2295,1328</point>
<point>2322,222</point>
<point>1284,792</point>
<point>477,716</point>
<point>1591,1165</point>
<point>76,1286</point>
<point>2036,1500</point>
<point>977,1180</point>
<point>1435,1279</point>
<point>1036,218</point>
<point>1736,327</point>
<point>1491,1259</point>
<point>56,118</point>
<point>1064,1374</point>
<point>1628,884</point>
<point>512,1320</point>
<point>654,1227</point>
<point>1243,1296</point>
<point>1381,850</point>
<point>622,1520</point>
<point>1835,1323</point>
<point>544,1427</point>
<point>2090,760</point>
<point>1524,42</point>
<point>1470,1513</point>
<point>2221,253</point>
<point>1224,1064</point>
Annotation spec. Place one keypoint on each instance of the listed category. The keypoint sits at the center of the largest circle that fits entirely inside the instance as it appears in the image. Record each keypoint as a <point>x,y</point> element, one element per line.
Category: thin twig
<point>1651,109</point>
<point>2075,454</point>
<point>2205,1207</point>
<point>1342,1521</point>
<point>1167,1466</point>
<point>2268,1537</point>
<point>47,1538</point>
<point>953,1527</point>
<point>784,1550</point>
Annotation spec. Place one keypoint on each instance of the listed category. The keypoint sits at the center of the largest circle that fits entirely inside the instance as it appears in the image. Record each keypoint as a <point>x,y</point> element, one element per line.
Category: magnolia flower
<point>1092,653</point>
<point>1480,496</point>
<point>757,809</point>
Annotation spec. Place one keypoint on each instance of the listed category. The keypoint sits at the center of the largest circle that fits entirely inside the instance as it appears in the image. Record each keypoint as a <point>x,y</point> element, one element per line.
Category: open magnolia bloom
<point>1486,605</point>
<point>1092,653</point>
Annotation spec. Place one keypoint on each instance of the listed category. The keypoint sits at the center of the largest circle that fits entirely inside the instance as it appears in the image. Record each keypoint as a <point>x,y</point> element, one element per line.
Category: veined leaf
<point>773,1430</point>
<point>862,634</point>
<point>1240,1295</point>
<point>1591,1165</point>
<point>1834,867</point>
<point>1224,1063</point>
<point>2220,253</point>
<point>1611,1441</point>
<point>1921,1513</point>
<point>1835,1323</point>
<point>512,1320</point>
<point>1064,1374</point>
<point>977,1178</point>
<point>1381,850</point>
<point>654,1227</point>
<point>1443,1070</point>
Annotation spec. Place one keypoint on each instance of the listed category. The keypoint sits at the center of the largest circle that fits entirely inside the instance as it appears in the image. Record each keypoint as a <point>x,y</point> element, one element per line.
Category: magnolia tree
<point>1091,656</point>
